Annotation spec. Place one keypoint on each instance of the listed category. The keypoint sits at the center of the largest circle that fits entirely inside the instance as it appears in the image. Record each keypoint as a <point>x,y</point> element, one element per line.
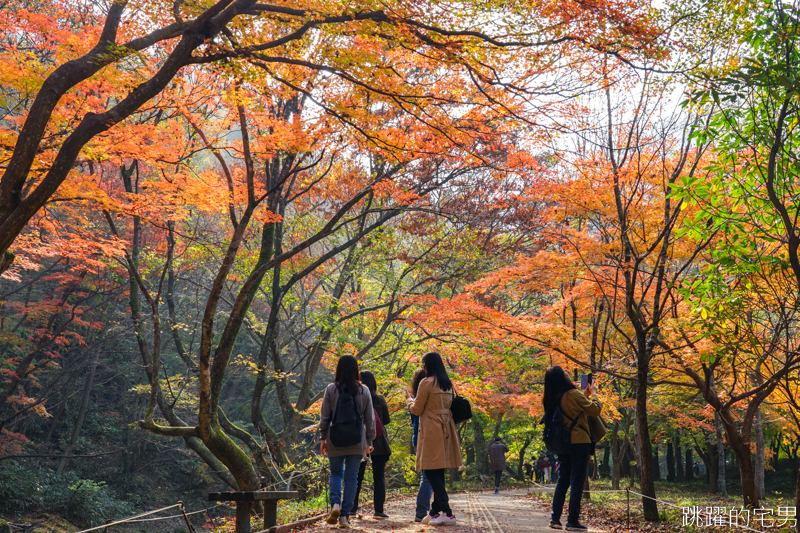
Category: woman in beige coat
<point>438,447</point>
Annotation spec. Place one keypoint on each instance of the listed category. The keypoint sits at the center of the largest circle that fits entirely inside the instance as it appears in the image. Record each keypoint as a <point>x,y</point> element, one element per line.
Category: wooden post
<point>243,516</point>
<point>628,498</point>
<point>270,513</point>
<point>244,505</point>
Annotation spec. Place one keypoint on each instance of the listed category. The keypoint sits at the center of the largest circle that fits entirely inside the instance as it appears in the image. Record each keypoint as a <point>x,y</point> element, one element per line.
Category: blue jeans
<point>572,469</point>
<point>344,468</point>
<point>424,496</point>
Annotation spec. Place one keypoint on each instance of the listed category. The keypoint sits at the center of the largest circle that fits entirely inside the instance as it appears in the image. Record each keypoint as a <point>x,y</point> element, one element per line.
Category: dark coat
<point>381,443</point>
<point>497,455</point>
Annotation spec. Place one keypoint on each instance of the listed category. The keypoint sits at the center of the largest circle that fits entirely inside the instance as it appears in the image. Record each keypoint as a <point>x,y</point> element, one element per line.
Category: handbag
<point>460,408</point>
<point>597,428</point>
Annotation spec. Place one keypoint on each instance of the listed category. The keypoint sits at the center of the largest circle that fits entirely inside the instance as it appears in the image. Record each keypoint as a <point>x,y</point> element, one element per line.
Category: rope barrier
<point>130,518</point>
<point>173,516</point>
<point>657,500</point>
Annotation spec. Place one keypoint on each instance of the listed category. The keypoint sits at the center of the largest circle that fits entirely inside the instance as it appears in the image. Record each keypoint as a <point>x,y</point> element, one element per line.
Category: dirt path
<point>476,512</point>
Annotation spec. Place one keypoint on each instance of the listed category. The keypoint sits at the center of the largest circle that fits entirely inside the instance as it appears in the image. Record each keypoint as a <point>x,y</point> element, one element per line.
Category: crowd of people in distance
<point>353,435</point>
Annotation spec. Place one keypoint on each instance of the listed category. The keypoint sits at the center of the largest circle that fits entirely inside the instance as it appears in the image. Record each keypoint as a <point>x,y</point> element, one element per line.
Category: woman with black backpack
<point>347,429</point>
<point>438,446</point>
<point>381,452</point>
<point>572,466</point>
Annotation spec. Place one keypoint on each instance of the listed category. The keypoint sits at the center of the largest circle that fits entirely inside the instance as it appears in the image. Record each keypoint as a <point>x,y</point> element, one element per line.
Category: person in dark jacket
<point>344,461</point>
<point>497,455</point>
<point>381,452</point>
<point>425,490</point>
<point>572,466</point>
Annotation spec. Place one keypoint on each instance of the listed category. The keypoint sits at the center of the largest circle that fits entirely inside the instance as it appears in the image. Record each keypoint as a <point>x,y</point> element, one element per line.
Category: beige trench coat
<point>437,445</point>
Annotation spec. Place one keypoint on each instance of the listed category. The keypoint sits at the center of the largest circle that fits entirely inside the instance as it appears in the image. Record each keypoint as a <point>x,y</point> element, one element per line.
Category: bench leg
<point>243,516</point>
<point>270,513</point>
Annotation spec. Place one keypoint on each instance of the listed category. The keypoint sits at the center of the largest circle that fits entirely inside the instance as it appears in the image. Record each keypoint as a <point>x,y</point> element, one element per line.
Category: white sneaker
<point>428,518</point>
<point>443,520</point>
<point>333,518</point>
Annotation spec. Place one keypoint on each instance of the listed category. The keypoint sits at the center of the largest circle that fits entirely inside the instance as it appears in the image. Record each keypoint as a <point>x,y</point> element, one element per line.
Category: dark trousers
<point>441,502</point>
<point>571,475</point>
<point>378,480</point>
<point>498,475</point>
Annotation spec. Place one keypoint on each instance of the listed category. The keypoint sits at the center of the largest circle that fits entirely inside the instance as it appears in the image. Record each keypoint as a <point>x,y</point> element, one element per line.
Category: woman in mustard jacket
<point>572,466</point>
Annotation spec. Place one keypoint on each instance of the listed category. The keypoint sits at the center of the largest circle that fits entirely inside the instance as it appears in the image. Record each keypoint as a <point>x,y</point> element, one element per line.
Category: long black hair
<point>434,367</point>
<point>368,379</point>
<point>419,375</point>
<point>347,374</point>
<point>555,383</point>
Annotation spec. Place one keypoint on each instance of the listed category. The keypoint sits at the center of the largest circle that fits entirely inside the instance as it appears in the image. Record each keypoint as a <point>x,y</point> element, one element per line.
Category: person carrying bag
<point>347,429</point>
<point>573,461</point>
<point>438,446</point>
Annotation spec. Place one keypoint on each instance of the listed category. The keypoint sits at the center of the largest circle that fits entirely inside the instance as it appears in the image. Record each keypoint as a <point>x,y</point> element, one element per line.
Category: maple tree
<point>134,51</point>
<point>747,296</point>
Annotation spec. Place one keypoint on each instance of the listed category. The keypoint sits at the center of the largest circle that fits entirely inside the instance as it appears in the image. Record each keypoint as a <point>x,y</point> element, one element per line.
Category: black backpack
<point>347,423</point>
<point>556,437</point>
<point>460,408</point>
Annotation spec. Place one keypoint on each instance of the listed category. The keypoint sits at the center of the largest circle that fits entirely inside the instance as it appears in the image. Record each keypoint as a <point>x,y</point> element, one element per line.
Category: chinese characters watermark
<point>766,517</point>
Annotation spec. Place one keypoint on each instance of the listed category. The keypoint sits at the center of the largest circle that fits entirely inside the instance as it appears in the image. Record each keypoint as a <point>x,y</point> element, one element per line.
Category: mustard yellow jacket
<point>576,406</point>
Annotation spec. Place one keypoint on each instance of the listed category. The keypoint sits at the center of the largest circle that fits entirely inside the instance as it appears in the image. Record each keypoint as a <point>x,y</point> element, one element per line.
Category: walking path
<point>476,512</point>
<point>507,512</point>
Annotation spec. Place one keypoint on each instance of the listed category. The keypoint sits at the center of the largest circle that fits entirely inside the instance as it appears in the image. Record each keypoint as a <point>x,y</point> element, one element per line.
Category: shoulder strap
<point>574,420</point>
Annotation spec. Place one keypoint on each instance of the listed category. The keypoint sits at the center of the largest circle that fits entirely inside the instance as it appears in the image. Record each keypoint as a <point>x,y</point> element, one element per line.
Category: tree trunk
<point>797,496</point>
<point>87,393</point>
<point>606,461</point>
<point>498,424</point>
<point>481,457</point>
<point>760,465</point>
<point>670,461</point>
<point>678,460</point>
<point>521,461</point>
<point>722,485</point>
<point>645,450</point>
<point>740,445</point>
<point>616,457</point>
<point>711,463</point>
<point>689,464</point>
<point>587,491</point>
<point>656,463</point>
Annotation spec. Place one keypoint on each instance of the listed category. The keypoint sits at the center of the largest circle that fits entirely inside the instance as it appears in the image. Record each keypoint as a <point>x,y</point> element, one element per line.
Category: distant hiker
<point>497,455</point>
<point>696,469</point>
<point>537,468</point>
<point>544,465</point>
<point>425,490</point>
<point>380,455</point>
<point>575,407</point>
<point>438,448</point>
<point>347,429</point>
<point>528,470</point>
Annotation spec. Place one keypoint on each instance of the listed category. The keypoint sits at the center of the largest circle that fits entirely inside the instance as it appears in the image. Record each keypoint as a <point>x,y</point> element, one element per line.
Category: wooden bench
<point>244,501</point>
